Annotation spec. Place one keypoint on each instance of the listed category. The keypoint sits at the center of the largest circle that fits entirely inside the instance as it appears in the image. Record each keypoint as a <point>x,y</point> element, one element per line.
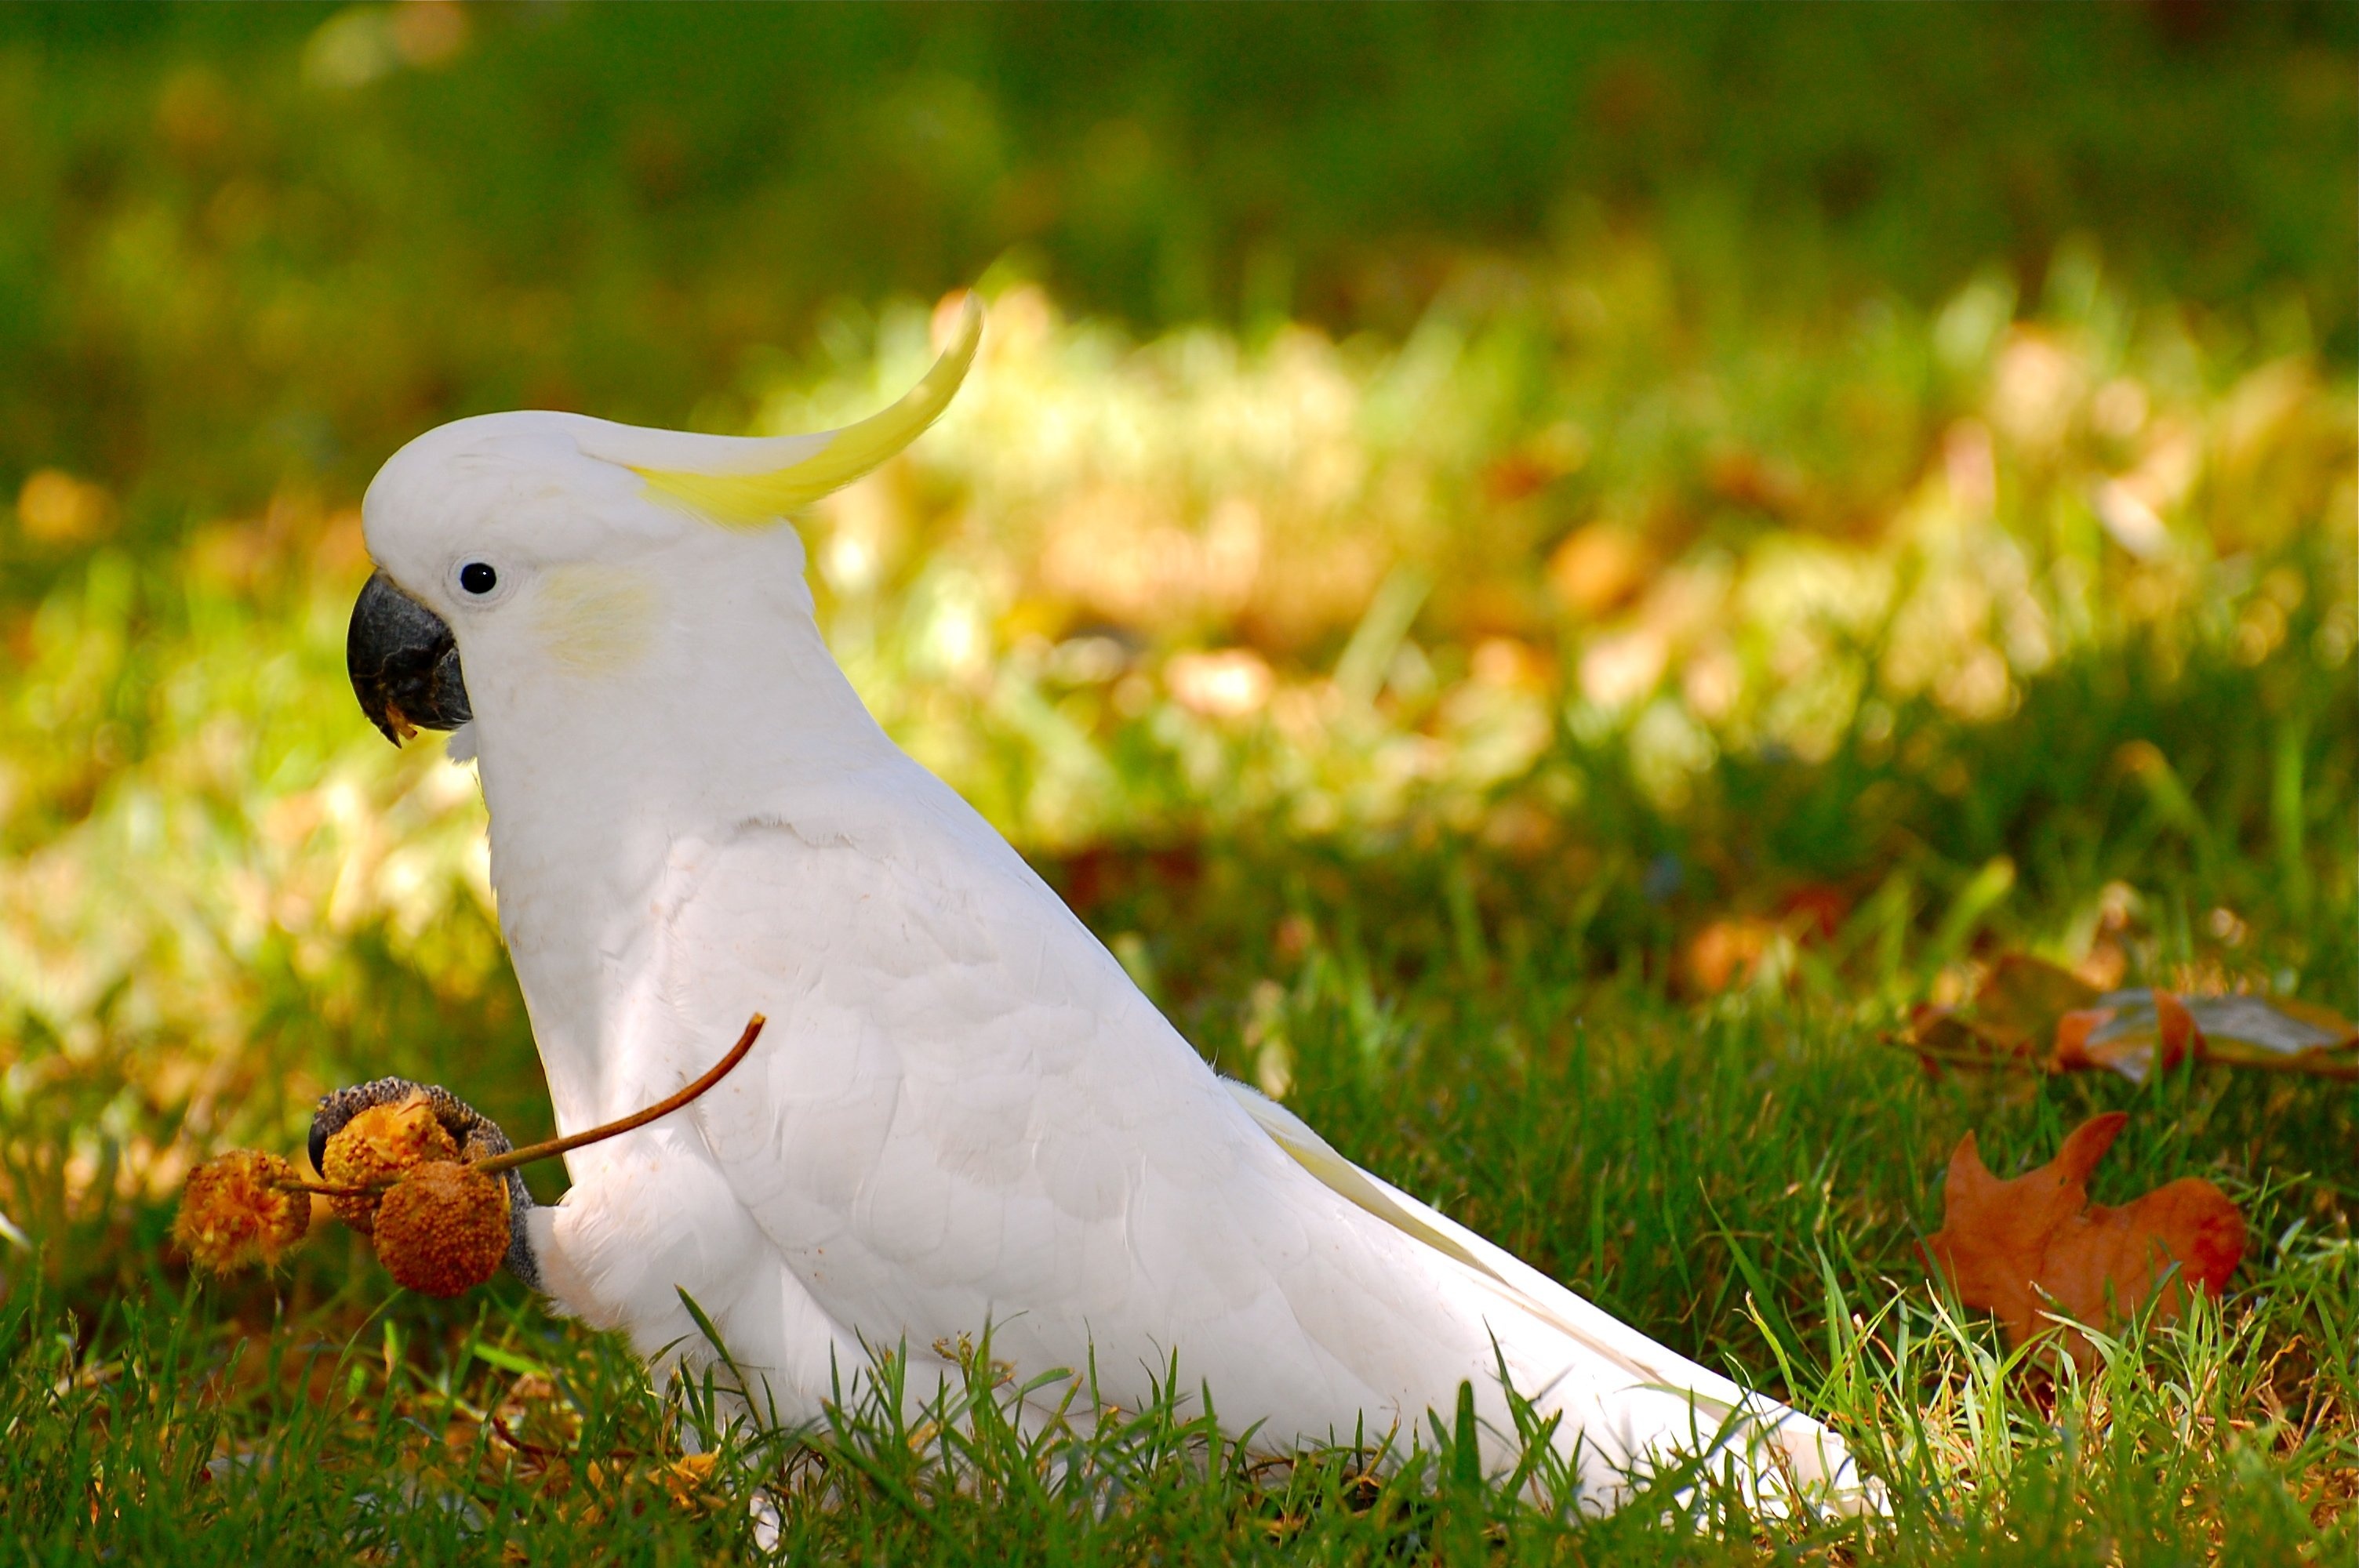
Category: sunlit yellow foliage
<point>1141,589</point>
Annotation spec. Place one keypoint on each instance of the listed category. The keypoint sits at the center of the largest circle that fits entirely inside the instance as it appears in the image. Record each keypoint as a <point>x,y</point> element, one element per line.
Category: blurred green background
<point>1717,499</point>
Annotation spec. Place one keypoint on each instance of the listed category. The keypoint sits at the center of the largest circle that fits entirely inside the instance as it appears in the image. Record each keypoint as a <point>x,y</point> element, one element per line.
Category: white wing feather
<point>962,1111</point>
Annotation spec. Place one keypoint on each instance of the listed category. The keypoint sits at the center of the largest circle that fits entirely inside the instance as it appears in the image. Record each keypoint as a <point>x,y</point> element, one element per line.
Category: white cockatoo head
<point>544,572</point>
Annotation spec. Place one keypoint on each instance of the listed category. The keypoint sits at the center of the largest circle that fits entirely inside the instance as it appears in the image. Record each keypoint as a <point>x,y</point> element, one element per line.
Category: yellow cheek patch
<point>593,620</point>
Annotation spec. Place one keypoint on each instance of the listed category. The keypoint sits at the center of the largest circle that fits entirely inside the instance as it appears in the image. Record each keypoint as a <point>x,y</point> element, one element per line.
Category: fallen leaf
<point>2015,1009</point>
<point>1515,476</point>
<point>56,508</point>
<point>1940,1035</point>
<point>1749,480</point>
<point>2127,1028</point>
<point>2251,1030</point>
<point>1726,952</point>
<point>2027,1011</point>
<point>2024,996</point>
<point>2035,1250</point>
<point>689,1479</point>
<point>1730,951</point>
<point>2129,1039</point>
<point>1815,911</point>
<point>1600,566</point>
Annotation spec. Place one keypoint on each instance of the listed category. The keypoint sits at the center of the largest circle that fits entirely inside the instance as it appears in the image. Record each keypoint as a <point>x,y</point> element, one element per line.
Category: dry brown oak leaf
<point>2034,1248</point>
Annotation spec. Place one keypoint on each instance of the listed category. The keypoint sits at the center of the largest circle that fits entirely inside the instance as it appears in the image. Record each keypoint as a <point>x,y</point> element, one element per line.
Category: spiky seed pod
<point>444,1228</point>
<point>378,1145</point>
<point>241,1209</point>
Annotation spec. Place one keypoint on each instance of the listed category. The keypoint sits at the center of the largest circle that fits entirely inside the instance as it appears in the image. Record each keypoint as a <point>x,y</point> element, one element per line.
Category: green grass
<point>1418,580</point>
<point>1746,1186</point>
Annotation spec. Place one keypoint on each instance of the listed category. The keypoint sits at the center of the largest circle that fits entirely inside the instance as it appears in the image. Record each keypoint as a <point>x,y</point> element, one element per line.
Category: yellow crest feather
<point>758,500</point>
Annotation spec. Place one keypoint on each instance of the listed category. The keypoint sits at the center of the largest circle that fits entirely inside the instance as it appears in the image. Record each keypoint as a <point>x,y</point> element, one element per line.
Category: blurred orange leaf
<point>56,508</point>
<point>1727,951</point>
<point>1600,566</point>
<point>1815,911</point>
<point>2131,1040</point>
<point>2035,1250</point>
<point>2030,1010</point>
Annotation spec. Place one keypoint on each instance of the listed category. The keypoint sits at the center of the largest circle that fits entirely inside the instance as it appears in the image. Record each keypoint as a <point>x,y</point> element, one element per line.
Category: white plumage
<point>962,1111</point>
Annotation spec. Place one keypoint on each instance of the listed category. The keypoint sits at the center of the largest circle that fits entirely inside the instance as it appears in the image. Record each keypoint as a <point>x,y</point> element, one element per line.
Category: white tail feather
<point>1811,1458</point>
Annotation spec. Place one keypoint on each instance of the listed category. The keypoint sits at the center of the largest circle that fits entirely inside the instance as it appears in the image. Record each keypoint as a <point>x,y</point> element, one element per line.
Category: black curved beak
<point>404,664</point>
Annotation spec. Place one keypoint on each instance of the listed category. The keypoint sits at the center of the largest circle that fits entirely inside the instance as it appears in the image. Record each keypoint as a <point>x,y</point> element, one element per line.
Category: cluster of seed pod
<point>442,1226</point>
<point>439,1221</point>
<point>392,1173</point>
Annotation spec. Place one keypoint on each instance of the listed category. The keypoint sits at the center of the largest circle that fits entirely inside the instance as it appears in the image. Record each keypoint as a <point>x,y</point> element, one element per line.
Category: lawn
<point>1544,579</point>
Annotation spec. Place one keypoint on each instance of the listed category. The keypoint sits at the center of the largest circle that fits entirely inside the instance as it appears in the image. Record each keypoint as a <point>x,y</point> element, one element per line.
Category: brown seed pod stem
<point>493,1164</point>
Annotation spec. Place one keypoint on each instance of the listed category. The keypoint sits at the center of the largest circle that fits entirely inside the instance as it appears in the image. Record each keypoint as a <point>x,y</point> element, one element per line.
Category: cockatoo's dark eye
<point>478,578</point>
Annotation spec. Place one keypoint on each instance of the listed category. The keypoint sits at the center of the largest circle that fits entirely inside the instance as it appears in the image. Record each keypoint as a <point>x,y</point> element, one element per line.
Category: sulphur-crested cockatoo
<point>963,1113</point>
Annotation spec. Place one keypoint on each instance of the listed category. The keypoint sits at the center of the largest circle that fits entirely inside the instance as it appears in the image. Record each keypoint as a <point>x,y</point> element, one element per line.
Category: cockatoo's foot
<point>477,1136</point>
